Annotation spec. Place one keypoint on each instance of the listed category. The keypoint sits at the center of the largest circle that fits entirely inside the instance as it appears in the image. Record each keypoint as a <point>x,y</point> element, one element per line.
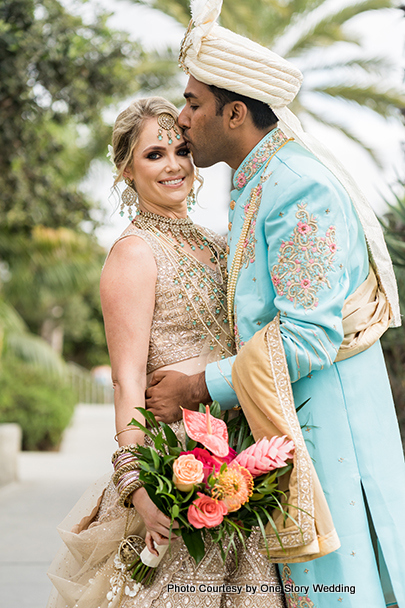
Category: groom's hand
<point>169,391</point>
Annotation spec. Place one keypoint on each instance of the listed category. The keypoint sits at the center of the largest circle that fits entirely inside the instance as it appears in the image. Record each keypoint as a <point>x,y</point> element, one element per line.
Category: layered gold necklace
<point>202,287</point>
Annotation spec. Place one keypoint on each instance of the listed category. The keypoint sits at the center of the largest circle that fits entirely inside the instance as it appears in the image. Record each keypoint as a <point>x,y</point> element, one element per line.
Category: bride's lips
<point>172,182</point>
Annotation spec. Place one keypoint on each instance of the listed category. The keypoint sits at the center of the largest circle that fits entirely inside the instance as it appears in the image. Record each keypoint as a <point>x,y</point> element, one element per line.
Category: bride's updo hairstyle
<point>128,128</point>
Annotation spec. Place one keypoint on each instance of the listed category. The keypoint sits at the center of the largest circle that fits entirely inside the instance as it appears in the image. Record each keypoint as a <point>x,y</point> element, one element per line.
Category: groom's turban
<point>217,56</point>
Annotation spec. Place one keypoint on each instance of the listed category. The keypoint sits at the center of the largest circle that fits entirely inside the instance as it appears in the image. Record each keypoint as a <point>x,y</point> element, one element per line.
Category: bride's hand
<point>156,523</point>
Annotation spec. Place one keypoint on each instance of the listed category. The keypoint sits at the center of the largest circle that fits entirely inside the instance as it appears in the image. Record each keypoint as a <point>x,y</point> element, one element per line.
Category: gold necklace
<point>181,229</point>
<point>204,297</point>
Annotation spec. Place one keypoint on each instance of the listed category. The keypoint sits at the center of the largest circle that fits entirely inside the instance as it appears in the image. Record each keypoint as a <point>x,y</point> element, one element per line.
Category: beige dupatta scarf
<point>262,383</point>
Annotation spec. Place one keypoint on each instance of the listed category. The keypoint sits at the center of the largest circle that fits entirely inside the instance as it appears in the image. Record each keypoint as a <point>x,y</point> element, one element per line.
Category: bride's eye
<point>153,155</point>
<point>183,151</point>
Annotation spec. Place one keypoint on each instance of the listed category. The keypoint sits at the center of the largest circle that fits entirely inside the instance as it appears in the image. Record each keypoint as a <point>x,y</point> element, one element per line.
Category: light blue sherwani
<point>304,255</point>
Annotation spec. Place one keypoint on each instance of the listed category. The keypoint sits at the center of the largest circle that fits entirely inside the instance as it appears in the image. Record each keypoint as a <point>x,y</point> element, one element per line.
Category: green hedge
<point>41,404</point>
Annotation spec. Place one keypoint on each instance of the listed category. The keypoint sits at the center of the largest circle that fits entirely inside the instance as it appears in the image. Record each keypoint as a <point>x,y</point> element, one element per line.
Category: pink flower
<point>303,228</point>
<point>305,283</point>
<point>333,247</point>
<point>266,455</point>
<point>241,181</point>
<point>276,281</point>
<point>204,428</point>
<point>209,461</point>
<point>205,512</point>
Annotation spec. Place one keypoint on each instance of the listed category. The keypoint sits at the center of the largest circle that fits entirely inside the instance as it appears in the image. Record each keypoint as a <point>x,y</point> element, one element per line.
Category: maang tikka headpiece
<point>167,122</point>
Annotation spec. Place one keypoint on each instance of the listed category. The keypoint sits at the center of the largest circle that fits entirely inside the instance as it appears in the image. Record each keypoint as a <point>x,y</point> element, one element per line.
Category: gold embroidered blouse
<point>190,317</point>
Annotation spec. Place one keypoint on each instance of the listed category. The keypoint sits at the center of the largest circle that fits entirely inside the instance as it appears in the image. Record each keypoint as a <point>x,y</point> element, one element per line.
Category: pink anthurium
<point>206,429</point>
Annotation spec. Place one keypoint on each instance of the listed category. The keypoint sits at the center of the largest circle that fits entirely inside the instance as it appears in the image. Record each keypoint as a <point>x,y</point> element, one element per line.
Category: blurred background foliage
<point>60,74</point>
<point>394,340</point>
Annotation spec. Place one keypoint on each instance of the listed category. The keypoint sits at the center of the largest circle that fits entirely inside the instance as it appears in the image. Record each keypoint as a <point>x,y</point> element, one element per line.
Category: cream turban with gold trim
<point>216,56</point>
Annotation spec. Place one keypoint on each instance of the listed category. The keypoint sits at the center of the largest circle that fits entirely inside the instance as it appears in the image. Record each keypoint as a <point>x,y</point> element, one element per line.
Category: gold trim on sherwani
<point>262,383</point>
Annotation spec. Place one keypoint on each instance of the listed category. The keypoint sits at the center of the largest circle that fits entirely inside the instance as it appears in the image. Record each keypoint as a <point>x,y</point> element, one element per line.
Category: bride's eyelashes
<point>155,154</point>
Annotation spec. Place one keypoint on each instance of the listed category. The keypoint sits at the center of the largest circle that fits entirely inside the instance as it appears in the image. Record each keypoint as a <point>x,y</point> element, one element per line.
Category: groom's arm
<point>170,391</point>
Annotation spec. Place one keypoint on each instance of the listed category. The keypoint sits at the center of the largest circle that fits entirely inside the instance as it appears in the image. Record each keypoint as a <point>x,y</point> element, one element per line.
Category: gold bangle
<point>125,448</point>
<point>122,431</point>
<point>125,495</point>
<point>132,466</point>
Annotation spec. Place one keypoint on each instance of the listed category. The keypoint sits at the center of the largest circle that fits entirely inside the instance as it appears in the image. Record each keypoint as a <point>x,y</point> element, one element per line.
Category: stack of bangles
<point>126,474</point>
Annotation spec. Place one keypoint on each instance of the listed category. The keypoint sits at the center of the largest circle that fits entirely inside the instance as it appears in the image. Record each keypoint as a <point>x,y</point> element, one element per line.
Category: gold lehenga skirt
<point>86,572</point>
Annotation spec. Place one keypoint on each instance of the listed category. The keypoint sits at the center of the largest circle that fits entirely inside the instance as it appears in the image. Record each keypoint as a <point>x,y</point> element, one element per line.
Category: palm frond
<point>10,320</point>
<point>178,9</point>
<point>330,62</point>
<point>334,124</point>
<point>384,102</point>
<point>322,26</point>
<point>35,350</point>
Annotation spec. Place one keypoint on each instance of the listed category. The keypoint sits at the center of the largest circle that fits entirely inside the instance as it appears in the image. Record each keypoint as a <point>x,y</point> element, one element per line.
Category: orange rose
<point>187,471</point>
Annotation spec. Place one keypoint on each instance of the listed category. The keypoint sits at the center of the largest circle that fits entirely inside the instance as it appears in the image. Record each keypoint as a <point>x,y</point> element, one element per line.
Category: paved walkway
<point>50,484</point>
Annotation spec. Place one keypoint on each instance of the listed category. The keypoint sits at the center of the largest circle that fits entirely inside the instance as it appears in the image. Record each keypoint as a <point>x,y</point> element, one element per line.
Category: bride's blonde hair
<point>128,127</point>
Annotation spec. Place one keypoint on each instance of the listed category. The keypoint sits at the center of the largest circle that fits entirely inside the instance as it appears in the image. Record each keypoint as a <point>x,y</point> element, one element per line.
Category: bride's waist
<point>194,365</point>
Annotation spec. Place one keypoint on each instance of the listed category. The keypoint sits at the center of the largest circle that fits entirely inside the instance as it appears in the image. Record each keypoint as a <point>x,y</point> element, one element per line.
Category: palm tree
<point>48,269</point>
<point>297,29</point>
<point>16,340</point>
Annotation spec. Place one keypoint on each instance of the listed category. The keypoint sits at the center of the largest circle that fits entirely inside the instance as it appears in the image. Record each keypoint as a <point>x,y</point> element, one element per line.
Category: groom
<point>297,256</point>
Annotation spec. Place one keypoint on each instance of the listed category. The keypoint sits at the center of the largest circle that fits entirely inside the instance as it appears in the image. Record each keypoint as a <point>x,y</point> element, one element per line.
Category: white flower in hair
<point>110,156</point>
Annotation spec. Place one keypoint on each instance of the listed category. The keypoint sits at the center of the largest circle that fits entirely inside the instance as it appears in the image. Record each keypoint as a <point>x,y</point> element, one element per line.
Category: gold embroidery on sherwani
<point>304,261</point>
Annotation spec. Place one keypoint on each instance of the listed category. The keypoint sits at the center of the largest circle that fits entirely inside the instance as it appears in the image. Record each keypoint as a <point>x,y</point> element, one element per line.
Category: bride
<point>163,294</point>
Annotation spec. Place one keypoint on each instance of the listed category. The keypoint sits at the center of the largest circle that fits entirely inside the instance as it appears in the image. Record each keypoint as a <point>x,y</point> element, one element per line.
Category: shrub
<point>41,404</point>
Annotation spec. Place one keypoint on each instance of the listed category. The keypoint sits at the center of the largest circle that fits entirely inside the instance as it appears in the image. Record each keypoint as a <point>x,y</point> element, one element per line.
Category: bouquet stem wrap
<point>151,560</point>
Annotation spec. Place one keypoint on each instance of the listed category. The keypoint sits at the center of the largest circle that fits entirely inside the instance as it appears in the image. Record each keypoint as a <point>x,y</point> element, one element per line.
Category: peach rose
<point>187,471</point>
<point>205,512</point>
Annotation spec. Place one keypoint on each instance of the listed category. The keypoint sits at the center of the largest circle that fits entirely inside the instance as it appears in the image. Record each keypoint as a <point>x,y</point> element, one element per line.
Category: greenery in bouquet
<point>220,483</point>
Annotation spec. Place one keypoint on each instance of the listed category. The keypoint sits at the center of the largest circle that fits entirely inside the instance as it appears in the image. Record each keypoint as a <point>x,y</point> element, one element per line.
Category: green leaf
<point>191,444</point>
<point>194,543</point>
<point>175,511</point>
<point>215,409</point>
<point>147,414</point>
<point>297,409</point>
<point>143,428</point>
<point>156,459</point>
<point>172,440</point>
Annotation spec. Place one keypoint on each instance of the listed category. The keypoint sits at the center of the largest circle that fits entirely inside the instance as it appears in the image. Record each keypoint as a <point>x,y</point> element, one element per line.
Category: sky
<point>382,33</point>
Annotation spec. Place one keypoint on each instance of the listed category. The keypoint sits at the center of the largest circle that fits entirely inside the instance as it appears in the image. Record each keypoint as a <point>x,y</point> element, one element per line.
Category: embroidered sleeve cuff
<point>218,377</point>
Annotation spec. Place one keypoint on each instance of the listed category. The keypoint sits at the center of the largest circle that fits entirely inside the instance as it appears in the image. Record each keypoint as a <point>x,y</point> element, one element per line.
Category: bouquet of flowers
<point>210,487</point>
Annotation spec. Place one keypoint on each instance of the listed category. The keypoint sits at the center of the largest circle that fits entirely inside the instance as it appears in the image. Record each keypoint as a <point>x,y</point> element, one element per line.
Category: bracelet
<point>126,474</point>
<point>122,431</point>
<point>123,500</point>
<point>123,460</point>
<point>125,448</point>
<point>126,480</point>
<point>122,470</point>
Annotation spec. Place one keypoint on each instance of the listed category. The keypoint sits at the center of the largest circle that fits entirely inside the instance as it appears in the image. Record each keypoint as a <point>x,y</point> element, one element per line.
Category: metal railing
<point>87,389</point>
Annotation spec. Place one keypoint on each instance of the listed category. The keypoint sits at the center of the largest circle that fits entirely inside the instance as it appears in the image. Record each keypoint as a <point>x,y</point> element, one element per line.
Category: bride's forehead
<point>152,133</point>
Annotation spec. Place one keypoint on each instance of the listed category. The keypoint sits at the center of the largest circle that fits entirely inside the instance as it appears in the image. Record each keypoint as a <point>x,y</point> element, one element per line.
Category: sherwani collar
<point>257,157</point>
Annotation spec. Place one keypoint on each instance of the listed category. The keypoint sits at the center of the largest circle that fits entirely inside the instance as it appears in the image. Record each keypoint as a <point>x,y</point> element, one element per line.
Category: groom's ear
<point>237,114</point>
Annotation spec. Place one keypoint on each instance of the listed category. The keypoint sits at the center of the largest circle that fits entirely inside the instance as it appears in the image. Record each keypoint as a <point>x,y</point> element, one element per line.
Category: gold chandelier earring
<point>192,195</point>
<point>129,199</point>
